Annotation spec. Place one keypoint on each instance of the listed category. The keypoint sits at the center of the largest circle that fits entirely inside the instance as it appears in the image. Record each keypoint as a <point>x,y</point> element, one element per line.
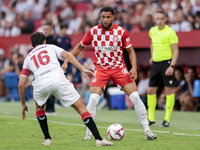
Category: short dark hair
<point>108,9</point>
<point>161,12</point>
<point>48,24</point>
<point>63,26</point>
<point>37,38</point>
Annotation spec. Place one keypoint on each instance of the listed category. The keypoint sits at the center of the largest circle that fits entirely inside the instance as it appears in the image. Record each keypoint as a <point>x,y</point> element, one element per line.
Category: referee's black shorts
<point>157,74</point>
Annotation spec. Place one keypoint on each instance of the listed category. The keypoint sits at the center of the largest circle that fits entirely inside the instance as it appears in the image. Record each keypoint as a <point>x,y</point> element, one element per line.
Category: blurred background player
<point>164,54</point>
<point>59,86</point>
<point>48,31</point>
<point>64,42</point>
<point>108,41</point>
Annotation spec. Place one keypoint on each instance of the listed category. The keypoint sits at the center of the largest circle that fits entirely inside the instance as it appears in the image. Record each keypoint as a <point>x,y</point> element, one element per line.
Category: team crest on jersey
<point>115,38</point>
<point>125,71</point>
<point>128,39</point>
<point>59,40</point>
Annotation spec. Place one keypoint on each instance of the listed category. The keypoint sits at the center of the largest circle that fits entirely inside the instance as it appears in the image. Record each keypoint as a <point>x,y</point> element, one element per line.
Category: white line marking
<point>72,124</point>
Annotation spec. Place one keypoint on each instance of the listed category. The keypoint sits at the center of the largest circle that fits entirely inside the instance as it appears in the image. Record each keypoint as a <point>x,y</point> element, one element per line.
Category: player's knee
<point>94,99</point>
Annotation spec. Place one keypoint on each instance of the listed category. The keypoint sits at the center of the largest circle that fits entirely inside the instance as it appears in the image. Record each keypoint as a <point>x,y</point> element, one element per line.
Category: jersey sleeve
<point>25,70</point>
<point>58,52</point>
<point>173,38</point>
<point>87,39</point>
<point>126,41</point>
<point>150,33</point>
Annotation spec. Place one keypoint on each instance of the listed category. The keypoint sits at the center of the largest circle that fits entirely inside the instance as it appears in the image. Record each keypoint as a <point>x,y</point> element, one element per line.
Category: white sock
<point>140,109</point>
<point>91,107</point>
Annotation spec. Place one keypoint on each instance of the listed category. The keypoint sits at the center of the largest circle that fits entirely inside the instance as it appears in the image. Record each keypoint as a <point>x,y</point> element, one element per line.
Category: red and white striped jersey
<point>107,45</point>
<point>43,62</point>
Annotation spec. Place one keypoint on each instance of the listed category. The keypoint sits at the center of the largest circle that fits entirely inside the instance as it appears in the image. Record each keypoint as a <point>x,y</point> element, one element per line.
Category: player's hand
<point>150,61</point>
<point>88,74</point>
<point>169,71</point>
<point>64,67</point>
<point>133,73</point>
<point>24,108</point>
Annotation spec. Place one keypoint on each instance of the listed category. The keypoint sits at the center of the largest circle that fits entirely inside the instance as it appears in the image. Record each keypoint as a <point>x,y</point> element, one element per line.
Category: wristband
<point>172,66</point>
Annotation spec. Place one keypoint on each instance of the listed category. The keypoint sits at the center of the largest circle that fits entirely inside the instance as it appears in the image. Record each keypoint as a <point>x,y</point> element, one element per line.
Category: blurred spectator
<point>125,22</point>
<point>197,20</point>
<point>9,29</point>
<point>25,23</point>
<point>74,24</point>
<point>64,41</point>
<point>3,64</point>
<point>77,76</point>
<point>48,31</point>
<point>179,23</point>
<point>143,85</point>
<point>180,86</point>
<point>22,6</point>
<point>37,9</point>
<point>66,13</point>
<point>187,101</point>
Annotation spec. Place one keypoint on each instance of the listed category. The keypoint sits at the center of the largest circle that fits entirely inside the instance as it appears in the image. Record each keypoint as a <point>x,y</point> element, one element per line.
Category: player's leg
<point>169,82</point>
<point>151,103</point>
<point>131,90</point>
<point>42,119</point>
<point>170,101</point>
<point>91,107</point>
<point>89,122</point>
<point>97,85</point>
<point>122,78</point>
<point>154,81</point>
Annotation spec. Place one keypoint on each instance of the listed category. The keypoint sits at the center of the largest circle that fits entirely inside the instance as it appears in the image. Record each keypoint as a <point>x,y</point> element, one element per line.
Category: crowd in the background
<point>26,16</point>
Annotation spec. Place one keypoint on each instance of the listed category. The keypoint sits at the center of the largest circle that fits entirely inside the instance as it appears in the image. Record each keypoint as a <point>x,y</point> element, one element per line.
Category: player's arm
<point>21,88</point>
<point>151,50</point>
<point>170,70</point>
<point>88,74</point>
<point>133,60</point>
<point>77,49</point>
<point>175,54</point>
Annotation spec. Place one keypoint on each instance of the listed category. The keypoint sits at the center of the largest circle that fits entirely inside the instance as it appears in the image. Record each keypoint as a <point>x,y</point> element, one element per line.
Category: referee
<point>164,54</point>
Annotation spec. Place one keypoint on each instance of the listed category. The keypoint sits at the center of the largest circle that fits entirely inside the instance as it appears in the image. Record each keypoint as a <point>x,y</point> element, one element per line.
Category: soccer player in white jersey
<point>108,41</point>
<point>50,80</point>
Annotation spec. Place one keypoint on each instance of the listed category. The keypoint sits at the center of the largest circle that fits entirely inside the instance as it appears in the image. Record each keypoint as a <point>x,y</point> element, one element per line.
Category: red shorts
<point>120,76</point>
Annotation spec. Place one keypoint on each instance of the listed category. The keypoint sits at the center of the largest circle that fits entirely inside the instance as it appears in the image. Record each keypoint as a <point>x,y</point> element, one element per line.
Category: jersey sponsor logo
<point>115,38</point>
<point>107,48</point>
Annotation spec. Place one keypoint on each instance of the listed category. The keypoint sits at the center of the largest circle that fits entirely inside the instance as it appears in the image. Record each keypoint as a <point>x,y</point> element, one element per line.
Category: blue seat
<point>11,81</point>
<point>196,88</point>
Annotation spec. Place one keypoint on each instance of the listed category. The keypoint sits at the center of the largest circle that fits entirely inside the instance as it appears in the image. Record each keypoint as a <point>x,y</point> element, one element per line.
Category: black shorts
<point>157,74</point>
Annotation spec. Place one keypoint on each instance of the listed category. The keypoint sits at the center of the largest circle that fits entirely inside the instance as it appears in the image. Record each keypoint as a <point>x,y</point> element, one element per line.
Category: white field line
<point>72,124</point>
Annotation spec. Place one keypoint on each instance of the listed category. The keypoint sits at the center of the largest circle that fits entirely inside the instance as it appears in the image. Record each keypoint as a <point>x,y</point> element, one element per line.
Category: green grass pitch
<point>67,130</point>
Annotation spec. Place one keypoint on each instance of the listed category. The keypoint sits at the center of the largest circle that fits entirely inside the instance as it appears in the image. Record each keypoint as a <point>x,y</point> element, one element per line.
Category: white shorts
<point>60,87</point>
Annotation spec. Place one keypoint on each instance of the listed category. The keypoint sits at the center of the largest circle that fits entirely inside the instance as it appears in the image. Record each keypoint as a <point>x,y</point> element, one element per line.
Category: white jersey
<point>43,62</point>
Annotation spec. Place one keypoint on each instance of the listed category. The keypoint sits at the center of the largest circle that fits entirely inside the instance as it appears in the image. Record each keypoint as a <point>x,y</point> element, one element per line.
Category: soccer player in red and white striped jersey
<point>108,41</point>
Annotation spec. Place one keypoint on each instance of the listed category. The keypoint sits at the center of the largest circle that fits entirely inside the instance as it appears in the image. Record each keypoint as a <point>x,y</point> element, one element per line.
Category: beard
<point>108,27</point>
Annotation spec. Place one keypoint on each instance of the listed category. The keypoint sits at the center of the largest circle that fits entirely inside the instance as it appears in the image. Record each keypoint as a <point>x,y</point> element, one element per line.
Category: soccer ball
<point>115,132</point>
